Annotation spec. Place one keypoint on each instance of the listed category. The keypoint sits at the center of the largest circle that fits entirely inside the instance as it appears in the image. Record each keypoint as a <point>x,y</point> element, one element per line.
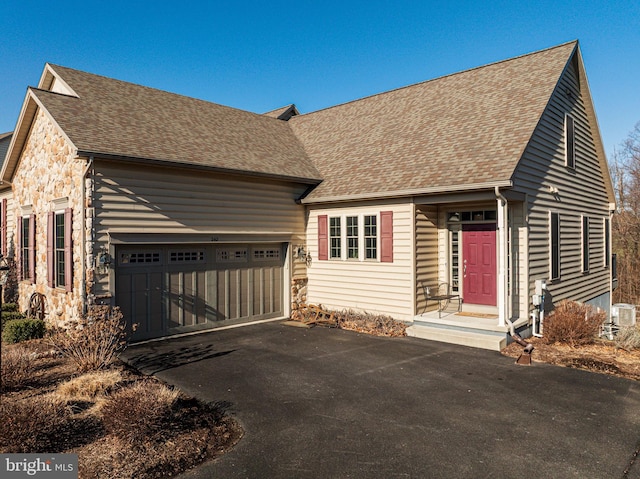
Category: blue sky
<point>259,56</point>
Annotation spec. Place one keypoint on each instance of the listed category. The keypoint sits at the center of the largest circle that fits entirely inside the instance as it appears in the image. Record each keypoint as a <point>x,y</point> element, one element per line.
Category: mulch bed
<point>601,357</point>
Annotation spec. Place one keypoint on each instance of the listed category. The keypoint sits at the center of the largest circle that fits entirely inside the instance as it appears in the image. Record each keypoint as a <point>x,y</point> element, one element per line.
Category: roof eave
<point>193,166</point>
<point>430,190</point>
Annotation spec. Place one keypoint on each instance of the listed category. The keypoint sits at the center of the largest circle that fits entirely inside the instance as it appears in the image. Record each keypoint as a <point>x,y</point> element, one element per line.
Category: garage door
<point>170,290</point>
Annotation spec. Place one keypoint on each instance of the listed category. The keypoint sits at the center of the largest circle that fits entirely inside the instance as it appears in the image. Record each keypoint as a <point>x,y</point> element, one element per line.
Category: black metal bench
<point>441,294</point>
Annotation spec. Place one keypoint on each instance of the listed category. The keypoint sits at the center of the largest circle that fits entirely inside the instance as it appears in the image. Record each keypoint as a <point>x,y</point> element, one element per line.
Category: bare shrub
<point>141,412</point>
<point>17,367</point>
<point>93,343</point>
<point>628,338</point>
<point>376,324</point>
<point>573,323</point>
<point>32,425</point>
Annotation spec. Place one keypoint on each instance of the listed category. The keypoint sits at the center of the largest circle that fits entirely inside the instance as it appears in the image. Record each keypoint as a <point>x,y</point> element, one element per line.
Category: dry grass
<point>17,367</point>
<point>57,412</point>
<point>88,391</point>
<point>628,338</point>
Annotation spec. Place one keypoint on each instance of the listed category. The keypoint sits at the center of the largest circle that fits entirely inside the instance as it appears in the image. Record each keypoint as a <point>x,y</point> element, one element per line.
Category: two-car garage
<point>172,289</point>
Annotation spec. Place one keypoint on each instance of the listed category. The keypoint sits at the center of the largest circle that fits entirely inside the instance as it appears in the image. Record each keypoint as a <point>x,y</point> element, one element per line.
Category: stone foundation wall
<point>49,170</point>
<point>298,292</point>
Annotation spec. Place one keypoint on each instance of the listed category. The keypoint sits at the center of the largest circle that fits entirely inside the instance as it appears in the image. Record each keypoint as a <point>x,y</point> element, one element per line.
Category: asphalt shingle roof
<point>463,129</point>
<point>123,119</point>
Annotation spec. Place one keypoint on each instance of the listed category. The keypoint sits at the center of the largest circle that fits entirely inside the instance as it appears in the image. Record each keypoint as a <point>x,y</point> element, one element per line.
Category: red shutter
<point>19,249</point>
<point>68,249</point>
<point>3,233</point>
<point>386,236</point>
<point>323,237</point>
<point>32,248</point>
<point>51,240</point>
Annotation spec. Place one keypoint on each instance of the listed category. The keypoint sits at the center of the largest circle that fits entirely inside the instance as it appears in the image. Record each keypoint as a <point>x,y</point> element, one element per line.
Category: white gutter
<point>430,190</point>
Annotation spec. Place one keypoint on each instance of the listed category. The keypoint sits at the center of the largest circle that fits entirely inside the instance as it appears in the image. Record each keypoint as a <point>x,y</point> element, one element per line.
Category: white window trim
<point>582,244</point>
<point>59,208</point>
<point>606,255</point>
<point>361,239</point>
<point>567,163</point>
<point>551,277</point>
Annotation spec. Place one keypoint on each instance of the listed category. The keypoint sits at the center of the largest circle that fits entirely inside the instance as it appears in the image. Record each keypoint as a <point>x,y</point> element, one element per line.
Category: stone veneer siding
<point>49,170</point>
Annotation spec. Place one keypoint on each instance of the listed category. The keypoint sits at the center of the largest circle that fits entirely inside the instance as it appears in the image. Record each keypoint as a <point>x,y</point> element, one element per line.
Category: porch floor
<point>481,331</point>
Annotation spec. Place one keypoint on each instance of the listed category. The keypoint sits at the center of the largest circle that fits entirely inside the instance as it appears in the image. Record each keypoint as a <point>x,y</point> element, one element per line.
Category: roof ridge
<point>154,89</point>
<point>302,115</point>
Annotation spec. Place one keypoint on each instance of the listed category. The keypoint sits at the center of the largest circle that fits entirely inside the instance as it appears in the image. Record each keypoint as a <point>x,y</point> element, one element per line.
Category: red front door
<point>479,264</point>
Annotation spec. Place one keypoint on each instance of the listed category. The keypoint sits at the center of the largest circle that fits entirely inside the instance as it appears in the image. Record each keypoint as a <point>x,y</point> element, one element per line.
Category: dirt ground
<point>600,357</point>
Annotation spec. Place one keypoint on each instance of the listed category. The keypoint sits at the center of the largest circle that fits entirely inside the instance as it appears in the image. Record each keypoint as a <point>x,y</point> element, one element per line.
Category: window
<point>186,256</point>
<point>370,237</point>
<point>59,259</point>
<point>607,243</point>
<point>570,141</point>
<point>455,260</point>
<point>554,240</point>
<point>59,250</point>
<point>364,238</point>
<point>266,254</point>
<point>335,238</point>
<point>26,248</point>
<point>585,244</point>
<point>352,237</point>
<point>231,255</point>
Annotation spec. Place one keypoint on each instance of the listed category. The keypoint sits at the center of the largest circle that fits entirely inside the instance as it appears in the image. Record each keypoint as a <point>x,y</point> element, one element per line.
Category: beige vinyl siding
<point>426,252</point>
<point>368,285</point>
<point>11,221</point>
<point>581,191</point>
<point>518,284</point>
<point>174,202</point>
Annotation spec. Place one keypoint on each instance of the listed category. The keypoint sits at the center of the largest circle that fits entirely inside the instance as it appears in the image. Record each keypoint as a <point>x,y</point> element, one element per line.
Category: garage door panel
<point>171,290</point>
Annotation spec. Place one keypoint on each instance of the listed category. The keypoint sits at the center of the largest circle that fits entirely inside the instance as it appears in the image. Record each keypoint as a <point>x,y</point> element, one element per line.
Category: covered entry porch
<point>472,248</point>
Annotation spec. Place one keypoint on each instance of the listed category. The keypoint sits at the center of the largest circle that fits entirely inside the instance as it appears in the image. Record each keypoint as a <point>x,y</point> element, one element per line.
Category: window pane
<point>352,237</point>
<point>370,237</point>
<point>335,238</point>
<point>585,243</point>
<point>570,142</point>
<point>555,245</point>
<point>25,247</point>
<point>59,250</point>
<point>607,243</point>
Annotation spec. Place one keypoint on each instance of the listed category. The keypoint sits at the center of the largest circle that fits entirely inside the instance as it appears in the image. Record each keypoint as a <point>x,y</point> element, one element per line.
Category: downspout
<point>503,310</point>
<point>503,226</point>
<point>83,279</point>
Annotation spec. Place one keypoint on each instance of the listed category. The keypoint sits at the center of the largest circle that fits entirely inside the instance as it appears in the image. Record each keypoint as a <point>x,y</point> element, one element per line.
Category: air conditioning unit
<point>623,314</point>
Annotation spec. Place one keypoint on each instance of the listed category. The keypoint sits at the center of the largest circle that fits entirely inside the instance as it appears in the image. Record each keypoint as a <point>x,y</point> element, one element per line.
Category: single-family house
<point>190,215</point>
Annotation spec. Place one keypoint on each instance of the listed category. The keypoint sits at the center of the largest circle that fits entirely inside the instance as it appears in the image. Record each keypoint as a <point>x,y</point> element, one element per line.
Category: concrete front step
<point>493,342</point>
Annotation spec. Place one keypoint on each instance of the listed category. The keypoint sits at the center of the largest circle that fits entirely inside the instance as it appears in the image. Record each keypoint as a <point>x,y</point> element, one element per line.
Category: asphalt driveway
<point>327,403</point>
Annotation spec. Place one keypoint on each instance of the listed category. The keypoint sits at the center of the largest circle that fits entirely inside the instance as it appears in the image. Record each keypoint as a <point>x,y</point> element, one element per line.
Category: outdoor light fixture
<point>104,261</point>
<point>302,255</point>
